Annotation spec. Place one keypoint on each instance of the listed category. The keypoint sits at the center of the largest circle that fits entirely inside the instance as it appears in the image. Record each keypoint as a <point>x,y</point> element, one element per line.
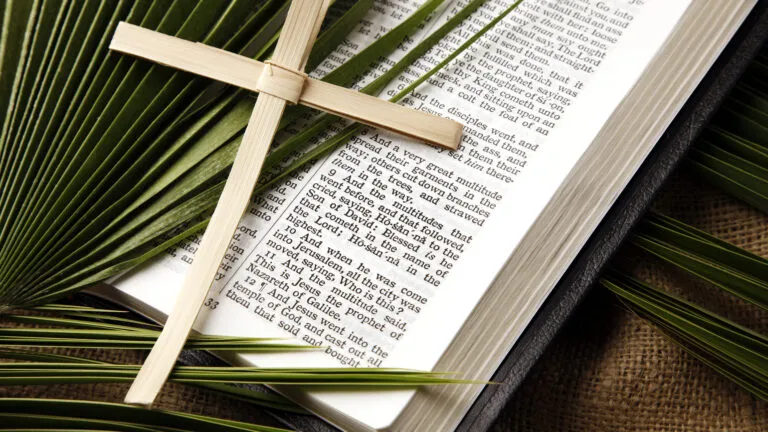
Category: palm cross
<point>280,82</point>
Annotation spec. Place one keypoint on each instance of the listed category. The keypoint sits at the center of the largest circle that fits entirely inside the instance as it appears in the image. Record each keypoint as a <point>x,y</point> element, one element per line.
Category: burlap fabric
<point>606,371</point>
<point>609,370</point>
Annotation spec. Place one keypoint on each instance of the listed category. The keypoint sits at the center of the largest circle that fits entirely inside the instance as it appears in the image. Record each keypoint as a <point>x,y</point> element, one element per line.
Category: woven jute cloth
<point>608,370</point>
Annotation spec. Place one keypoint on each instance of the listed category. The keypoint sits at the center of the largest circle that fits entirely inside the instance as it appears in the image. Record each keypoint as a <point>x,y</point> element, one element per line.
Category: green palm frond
<point>84,327</point>
<point>732,154</point>
<point>68,415</point>
<point>732,350</point>
<point>733,269</point>
<point>85,373</point>
<point>260,398</point>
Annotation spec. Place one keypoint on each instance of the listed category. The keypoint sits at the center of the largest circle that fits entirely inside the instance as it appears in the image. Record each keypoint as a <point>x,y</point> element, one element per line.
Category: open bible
<point>391,254</point>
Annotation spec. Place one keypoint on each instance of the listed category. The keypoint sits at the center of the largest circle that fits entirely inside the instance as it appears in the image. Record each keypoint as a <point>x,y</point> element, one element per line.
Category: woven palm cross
<point>280,82</point>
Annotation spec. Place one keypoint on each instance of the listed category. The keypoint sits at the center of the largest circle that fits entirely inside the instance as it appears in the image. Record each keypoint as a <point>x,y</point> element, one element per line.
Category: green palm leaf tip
<point>85,373</point>
<point>733,153</point>
<point>14,43</point>
<point>735,270</point>
<point>736,352</point>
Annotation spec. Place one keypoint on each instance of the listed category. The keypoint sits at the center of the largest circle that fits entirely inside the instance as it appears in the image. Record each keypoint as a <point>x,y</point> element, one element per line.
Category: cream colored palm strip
<point>299,32</point>
<point>280,82</point>
<point>243,72</point>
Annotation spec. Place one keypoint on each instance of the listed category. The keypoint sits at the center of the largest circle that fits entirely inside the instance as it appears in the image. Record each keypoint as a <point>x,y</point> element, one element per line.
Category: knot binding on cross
<point>282,82</point>
<point>246,73</point>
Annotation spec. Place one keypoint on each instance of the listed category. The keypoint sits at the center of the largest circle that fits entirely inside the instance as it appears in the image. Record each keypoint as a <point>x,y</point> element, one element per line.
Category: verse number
<point>211,303</point>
